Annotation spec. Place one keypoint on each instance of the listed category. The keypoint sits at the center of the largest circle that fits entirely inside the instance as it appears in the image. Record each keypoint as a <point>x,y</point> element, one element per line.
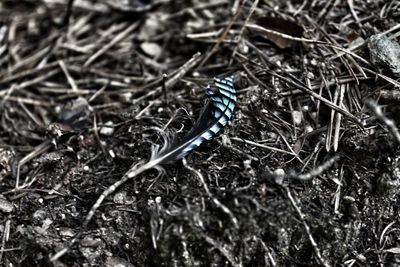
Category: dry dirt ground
<point>305,174</point>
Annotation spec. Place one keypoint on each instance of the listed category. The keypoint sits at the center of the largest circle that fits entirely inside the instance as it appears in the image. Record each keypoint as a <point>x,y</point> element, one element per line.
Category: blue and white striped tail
<point>215,116</point>
<point>223,97</point>
<point>223,102</point>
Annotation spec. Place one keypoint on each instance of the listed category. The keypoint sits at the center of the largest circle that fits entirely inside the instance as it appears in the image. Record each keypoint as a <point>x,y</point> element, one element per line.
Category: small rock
<point>39,215</point>
<point>385,52</point>
<point>67,232</point>
<point>46,223</point>
<point>117,262</point>
<point>107,129</point>
<point>73,117</point>
<point>7,157</point>
<point>297,117</point>
<point>310,75</point>
<point>5,205</point>
<point>279,174</point>
<point>151,49</point>
<point>308,129</point>
<point>49,158</point>
<point>120,198</point>
<point>91,242</point>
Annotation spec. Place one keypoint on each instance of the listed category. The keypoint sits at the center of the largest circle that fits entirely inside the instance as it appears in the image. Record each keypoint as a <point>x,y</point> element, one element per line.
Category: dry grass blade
<point>317,96</point>
<point>338,118</point>
<point>118,38</point>
<point>40,149</point>
<point>314,244</point>
<point>223,35</point>
<point>224,208</point>
<point>190,64</point>
<point>262,146</point>
<point>252,9</point>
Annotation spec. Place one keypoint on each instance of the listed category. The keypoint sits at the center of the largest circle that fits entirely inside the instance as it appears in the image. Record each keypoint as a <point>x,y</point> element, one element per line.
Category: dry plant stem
<point>30,59</point>
<point>384,77</point>
<point>223,249</point>
<point>68,75</point>
<point>354,14</point>
<point>262,146</point>
<point>389,123</point>
<point>252,9</point>
<point>307,228</point>
<point>133,172</point>
<point>335,47</point>
<point>268,258</point>
<point>334,124</point>
<point>115,40</point>
<point>317,96</point>
<point>353,48</point>
<point>29,101</point>
<point>298,39</point>
<point>325,10</point>
<point>284,139</point>
<point>40,149</point>
<point>338,119</point>
<point>315,172</point>
<point>240,152</point>
<point>223,35</point>
<point>8,77</point>
<point>99,92</point>
<point>210,195</point>
<point>184,11</point>
<point>26,84</point>
<point>97,136</point>
<point>6,235</point>
<point>175,78</point>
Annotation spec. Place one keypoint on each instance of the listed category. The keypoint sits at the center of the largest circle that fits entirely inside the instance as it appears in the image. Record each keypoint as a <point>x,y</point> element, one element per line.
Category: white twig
<point>389,123</point>
<point>210,195</point>
<point>314,244</point>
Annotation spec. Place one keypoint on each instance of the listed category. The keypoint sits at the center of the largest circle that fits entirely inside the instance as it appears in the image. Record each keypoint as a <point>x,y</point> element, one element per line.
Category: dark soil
<point>307,173</point>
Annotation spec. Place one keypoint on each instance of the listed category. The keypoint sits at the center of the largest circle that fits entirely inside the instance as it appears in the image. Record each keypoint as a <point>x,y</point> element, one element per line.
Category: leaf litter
<point>307,172</point>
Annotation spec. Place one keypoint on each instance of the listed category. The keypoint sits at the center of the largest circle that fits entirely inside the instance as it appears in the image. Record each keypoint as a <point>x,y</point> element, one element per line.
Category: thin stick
<point>223,35</point>
<point>317,96</point>
<point>210,195</point>
<point>223,249</point>
<point>114,41</point>
<point>316,171</point>
<point>262,146</point>
<point>6,236</point>
<point>307,228</point>
<point>300,39</point>
<point>252,9</point>
<point>164,88</point>
<point>67,17</point>
<point>68,75</point>
<point>133,172</point>
<point>40,149</point>
<point>175,78</point>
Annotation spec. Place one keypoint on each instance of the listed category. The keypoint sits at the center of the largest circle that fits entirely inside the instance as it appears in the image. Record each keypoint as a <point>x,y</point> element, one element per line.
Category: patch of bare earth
<point>307,173</point>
